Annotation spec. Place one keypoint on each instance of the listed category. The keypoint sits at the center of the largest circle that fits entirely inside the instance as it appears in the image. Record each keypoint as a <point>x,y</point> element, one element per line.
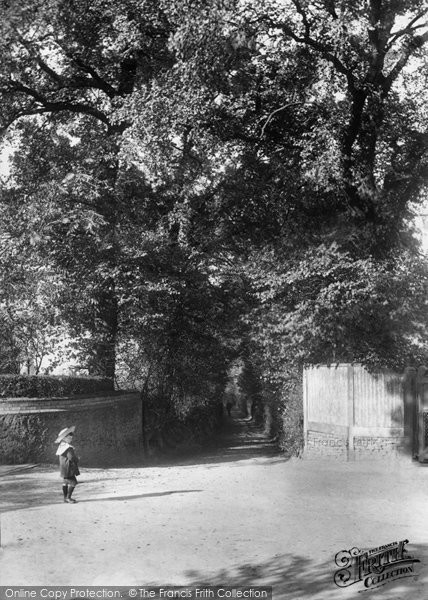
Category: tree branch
<point>47,69</point>
<point>412,44</point>
<point>323,49</point>
<point>96,80</point>
<point>409,29</point>
<point>47,106</point>
<point>304,17</point>
<point>273,113</point>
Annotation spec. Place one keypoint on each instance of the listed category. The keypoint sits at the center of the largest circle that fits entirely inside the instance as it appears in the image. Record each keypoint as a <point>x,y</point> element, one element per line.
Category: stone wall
<point>108,428</point>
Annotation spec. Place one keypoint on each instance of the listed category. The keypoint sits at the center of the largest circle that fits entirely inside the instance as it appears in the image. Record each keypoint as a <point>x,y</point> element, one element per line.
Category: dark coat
<point>69,464</point>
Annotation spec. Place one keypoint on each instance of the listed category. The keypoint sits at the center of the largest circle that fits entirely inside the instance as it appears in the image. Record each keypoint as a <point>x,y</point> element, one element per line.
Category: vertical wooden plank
<point>351,416</point>
<point>305,406</point>
<point>421,432</point>
<point>326,394</point>
<point>379,399</point>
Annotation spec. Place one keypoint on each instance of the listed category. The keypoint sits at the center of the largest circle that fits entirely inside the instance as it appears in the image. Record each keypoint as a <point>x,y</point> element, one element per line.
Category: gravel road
<point>234,514</point>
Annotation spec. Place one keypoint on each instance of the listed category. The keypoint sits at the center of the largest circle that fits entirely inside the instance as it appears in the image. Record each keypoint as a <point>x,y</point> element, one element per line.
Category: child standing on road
<point>68,463</point>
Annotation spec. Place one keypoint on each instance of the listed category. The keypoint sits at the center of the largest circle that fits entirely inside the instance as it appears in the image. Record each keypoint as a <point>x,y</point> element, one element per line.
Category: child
<point>68,463</point>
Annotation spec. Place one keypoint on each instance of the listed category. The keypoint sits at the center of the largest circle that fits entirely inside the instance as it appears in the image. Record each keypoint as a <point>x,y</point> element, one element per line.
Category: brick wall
<point>366,447</point>
<point>108,428</point>
<point>325,445</point>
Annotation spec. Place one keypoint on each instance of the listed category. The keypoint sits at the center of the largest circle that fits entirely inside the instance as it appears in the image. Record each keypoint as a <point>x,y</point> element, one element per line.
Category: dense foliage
<point>44,386</point>
<point>193,182</point>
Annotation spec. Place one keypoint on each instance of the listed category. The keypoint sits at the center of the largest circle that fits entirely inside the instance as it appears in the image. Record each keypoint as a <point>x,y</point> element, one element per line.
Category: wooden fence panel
<point>351,413</point>
<point>378,399</point>
<point>326,389</point>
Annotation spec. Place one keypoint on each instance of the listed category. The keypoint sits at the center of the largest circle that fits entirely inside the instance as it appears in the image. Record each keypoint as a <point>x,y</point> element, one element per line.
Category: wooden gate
<point>351,413</point>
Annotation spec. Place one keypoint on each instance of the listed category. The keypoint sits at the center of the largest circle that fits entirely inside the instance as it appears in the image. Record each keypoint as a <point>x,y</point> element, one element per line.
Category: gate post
<point>410,393</point>
<point>305,408</point>
<point>422,412</point>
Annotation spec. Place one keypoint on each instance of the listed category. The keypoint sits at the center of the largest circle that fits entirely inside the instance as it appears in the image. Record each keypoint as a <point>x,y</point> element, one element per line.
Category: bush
<point>49,386</point>
<point>290,417</point>
<point>282,416</point>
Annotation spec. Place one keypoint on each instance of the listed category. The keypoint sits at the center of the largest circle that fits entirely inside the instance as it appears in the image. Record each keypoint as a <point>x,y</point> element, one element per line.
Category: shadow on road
<point>137,496</point>
<point>21,493</point>
<point>289,575</point>
<point>240,439</point>
<point>302,577</point>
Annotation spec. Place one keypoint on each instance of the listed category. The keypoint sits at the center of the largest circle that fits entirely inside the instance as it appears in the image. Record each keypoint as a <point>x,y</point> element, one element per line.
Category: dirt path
<point>236,514</point>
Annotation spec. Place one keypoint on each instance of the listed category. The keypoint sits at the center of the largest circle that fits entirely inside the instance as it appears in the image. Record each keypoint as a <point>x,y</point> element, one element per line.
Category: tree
<point>301,129</point>
<point>179,330</point>
<point>303,132</point>
<point>298,122</point>
<point>378,162</point>
<point>30,325</point>
<point>330,307</point>
<point>232,142</point>
<point>64,63</point>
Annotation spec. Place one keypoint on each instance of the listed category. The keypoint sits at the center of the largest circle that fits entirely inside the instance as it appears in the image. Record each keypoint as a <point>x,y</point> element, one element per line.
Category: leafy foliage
<point>43,386</point>
<point>326,306</point>
<point>202,178</point>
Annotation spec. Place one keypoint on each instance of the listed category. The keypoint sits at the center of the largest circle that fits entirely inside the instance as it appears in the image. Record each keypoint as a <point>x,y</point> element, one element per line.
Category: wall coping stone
<point>22,405</point>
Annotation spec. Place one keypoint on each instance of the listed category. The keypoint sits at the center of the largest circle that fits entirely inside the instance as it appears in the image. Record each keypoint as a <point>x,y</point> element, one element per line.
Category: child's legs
<point>70,482</point>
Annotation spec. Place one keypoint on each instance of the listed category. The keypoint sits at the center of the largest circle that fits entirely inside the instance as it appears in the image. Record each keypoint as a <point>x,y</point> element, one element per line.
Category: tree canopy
<point>200,179</point>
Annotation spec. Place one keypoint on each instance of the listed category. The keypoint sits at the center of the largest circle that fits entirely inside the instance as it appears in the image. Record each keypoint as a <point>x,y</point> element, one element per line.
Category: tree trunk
<point>105,326</point>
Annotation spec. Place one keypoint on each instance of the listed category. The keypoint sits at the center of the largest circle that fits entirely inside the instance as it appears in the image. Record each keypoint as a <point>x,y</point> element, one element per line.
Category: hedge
<point>49,386</point>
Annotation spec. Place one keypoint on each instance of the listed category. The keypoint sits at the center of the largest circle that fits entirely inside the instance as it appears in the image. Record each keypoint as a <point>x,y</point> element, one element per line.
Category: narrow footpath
<point>236,513</point>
